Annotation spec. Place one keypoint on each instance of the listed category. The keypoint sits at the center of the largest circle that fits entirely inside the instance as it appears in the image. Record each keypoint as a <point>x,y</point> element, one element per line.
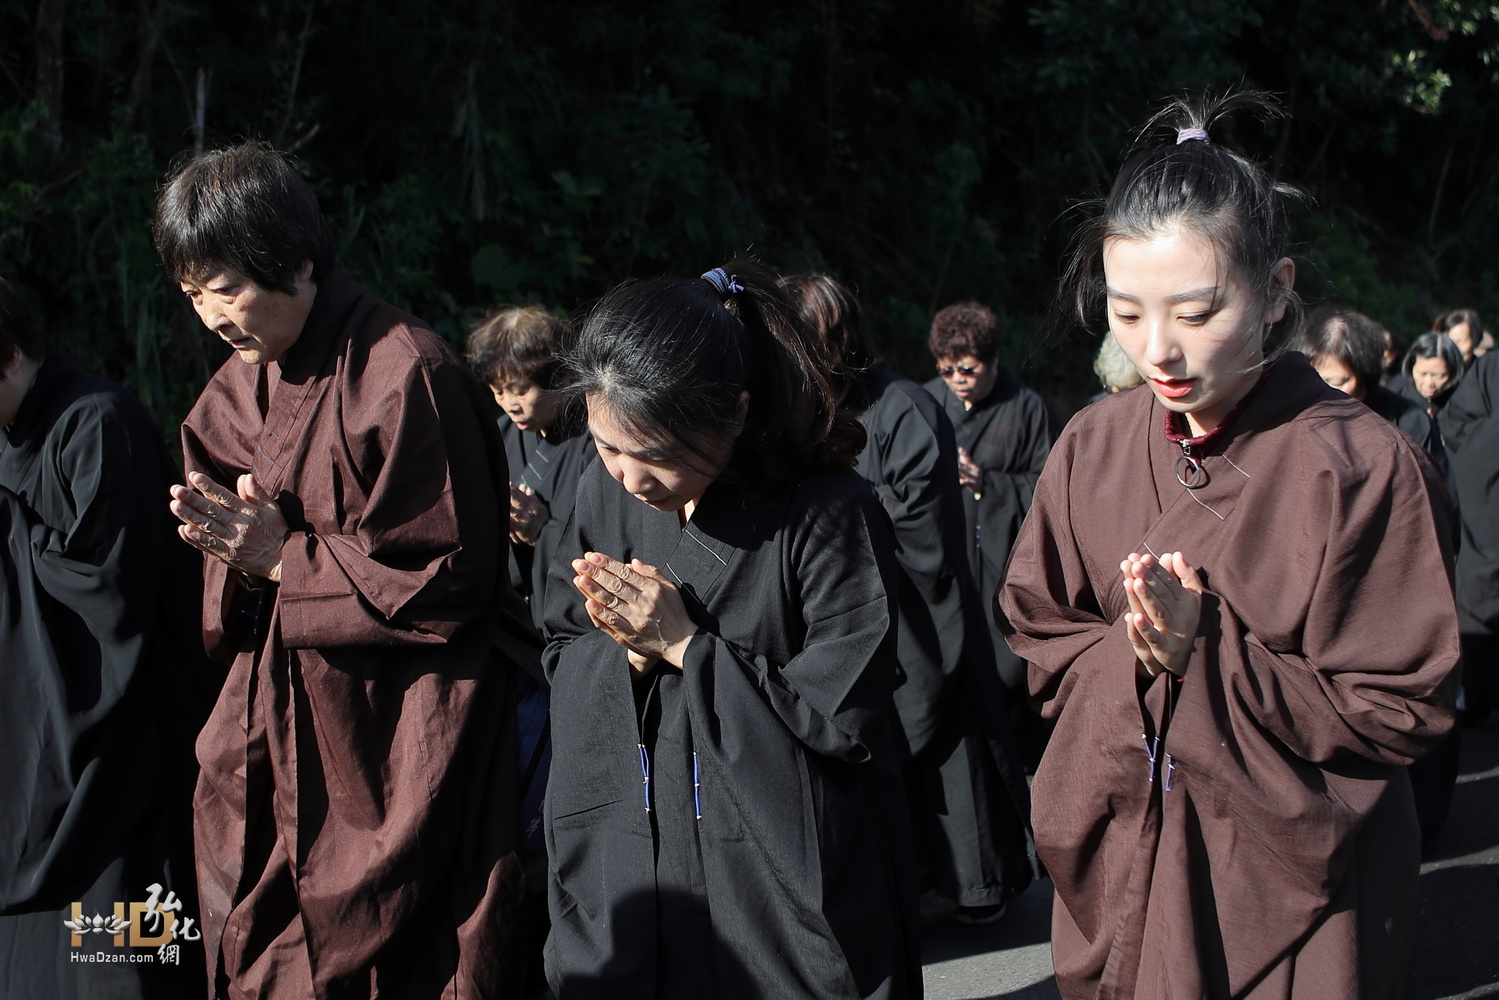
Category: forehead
<point>211,274</point>
<point>1164,262</point>
<point>609,426</point>
<point>1429,366</point>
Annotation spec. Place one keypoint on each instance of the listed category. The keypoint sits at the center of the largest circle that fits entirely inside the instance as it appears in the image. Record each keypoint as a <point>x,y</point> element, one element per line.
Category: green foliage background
<point>474,152</point>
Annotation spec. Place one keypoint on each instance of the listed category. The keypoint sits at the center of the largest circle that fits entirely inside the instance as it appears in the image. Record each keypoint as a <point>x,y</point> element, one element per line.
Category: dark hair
<point>1176,175</point>
<point>1350,337</point>
<point>520,342</point>
<point>965,329</point>
<point>1458,317</point>
<point>1436,345</point>
<point>831,313</point>
<point>670,357</point>
<point>18,331</point>
<point>243,208</point>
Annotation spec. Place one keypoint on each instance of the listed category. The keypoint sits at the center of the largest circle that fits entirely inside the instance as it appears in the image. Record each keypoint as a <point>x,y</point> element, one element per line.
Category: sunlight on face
<point>1191,327</point>
<point>1430,376</point>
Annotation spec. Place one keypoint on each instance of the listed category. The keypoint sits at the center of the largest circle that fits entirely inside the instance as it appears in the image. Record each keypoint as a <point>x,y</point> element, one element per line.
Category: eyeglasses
<point>967,371</point>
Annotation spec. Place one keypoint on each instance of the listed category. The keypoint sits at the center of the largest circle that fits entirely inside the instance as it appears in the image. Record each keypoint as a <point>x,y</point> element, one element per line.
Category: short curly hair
<point>518,342</point>
<point>968,329</point>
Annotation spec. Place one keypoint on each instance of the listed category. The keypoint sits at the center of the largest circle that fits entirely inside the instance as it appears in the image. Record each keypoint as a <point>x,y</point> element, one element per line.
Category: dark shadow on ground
<point>1455,952</point>
<point>1045,990</point>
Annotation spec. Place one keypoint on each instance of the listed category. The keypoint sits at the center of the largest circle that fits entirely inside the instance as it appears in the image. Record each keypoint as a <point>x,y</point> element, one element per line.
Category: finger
<point>612,573</point>
<point>192,500</point>
<point>1187,574</point>
<point>252,492</point>
<point>212,490</point>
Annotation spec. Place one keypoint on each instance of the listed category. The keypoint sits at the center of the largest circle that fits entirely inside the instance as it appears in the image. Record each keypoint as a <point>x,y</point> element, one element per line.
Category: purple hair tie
<point>720,279</point>
<point>1185,134</point>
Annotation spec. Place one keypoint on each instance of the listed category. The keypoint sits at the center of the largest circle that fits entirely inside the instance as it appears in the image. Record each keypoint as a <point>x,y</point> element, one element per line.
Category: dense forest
<point>475,152</point>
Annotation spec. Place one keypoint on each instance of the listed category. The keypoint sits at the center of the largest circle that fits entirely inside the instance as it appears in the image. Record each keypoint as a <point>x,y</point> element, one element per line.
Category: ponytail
<point>670,357</point>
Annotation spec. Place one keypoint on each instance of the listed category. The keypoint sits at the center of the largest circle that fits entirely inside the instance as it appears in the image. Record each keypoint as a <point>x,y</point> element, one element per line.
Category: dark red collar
<point>1176,424</point>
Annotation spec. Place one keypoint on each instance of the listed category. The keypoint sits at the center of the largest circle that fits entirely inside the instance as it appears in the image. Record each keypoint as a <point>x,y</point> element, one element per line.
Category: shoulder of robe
<point>1352,442</point>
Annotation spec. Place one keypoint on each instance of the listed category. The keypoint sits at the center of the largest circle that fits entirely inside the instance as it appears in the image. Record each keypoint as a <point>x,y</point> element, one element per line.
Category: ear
<point>1282,280</point>
<point>304,273</point>
<point>744,398</point>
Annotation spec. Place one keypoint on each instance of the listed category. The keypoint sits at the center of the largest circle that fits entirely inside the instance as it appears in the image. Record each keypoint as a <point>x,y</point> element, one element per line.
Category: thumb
<point>649,571</point>
<point>251,491</point>
<point>1186,573</point>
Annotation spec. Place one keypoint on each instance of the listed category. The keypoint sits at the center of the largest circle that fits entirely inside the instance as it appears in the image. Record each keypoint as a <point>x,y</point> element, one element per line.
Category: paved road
<point>1456,951</point>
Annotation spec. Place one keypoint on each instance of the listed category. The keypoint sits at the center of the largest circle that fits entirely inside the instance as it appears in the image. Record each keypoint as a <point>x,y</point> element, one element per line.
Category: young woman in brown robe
<point>1234,595</point>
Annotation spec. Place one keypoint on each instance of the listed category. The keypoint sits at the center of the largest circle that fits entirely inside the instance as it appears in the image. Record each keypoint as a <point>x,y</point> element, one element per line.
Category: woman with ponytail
<point>724,815</point>
<point>1234,596</point>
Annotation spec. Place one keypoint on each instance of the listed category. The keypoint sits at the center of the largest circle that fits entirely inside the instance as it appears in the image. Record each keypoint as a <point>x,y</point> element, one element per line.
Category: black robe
<point>103,689</point>
<point>551,466</point>
<point>775,732</point>
<point>1008,434</point>
<point>1470,424</point>
<point>970,803</point>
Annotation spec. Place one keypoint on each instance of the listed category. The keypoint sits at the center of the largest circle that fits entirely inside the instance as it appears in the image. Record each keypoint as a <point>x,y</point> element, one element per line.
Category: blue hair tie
<point>720,279</point>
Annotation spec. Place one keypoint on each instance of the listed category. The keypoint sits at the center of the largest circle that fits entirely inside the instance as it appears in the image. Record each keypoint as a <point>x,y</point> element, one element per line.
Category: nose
<point>1161,349</point>
<point>635,477</point>
<point>210,314</point>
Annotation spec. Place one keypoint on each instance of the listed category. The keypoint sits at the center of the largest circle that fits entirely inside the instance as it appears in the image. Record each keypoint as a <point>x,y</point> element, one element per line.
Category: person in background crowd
<point>1471,431</point>
<point>1234,594</point>
<point>104,683</point>
<point>1432,369</point>
<point>1347,349</point>
<point>1466,330</point>
<point>1389,356</point>
<point>970,805</point>
<point>515,352</point>
<point>1485,344</point>
<point>1004,433</point>
<point>356,815</point>
<point>1113,369</point>
<point>725,816</point>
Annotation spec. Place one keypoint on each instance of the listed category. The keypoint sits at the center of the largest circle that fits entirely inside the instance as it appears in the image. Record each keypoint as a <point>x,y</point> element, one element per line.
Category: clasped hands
<point>528,514</point>
<point>637,607</point>
<point>1165,607</point>
<point>244,530</point>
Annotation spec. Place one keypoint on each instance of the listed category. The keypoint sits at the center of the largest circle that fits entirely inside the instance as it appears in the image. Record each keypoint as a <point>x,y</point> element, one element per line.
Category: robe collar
<point>30,415</point>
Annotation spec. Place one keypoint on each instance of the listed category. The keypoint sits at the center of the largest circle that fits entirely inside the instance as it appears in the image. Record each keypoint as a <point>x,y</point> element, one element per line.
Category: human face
<point>1430,376</point>
<point>660,473</point>
<point>528,405</point>
<point>1189,324</point>
<point>969,378</point>
<point>1462,336</point>
<point>1338,375</point>
<point>259,323</point>
<point>15,381</point>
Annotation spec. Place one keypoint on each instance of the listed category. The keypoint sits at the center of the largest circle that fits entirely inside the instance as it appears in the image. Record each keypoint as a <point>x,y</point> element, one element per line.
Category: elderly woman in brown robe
<point>355,818</point>
<point>1234,595</point>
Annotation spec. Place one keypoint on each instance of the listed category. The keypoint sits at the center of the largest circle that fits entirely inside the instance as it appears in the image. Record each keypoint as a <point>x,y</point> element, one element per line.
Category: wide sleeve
<point>423,556</point>
<point>833,692</point>
<point>1048,611</point>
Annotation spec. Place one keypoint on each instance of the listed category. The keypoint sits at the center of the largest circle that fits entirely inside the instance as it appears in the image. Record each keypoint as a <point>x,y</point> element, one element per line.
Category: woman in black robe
<point>1005,430</point>
<point>970,805</point>
<point>725,814</point>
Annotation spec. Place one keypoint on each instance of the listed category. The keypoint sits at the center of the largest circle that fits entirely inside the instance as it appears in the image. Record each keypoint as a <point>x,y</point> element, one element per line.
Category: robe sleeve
<point>833,694</point>
<point>407,570</point>
<point>1047,609</point>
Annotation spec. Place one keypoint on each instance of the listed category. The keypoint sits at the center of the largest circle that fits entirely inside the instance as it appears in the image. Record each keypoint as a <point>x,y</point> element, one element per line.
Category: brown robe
<point>1282,860</point>
<point>355,815</point>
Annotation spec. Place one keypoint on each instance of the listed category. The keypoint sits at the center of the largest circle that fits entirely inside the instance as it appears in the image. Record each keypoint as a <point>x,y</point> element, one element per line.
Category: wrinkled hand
<point>970,476</point>
<point>245,530</point>
<point>527,515</point>
<point>1165,607</point>
<point>637,607</point>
